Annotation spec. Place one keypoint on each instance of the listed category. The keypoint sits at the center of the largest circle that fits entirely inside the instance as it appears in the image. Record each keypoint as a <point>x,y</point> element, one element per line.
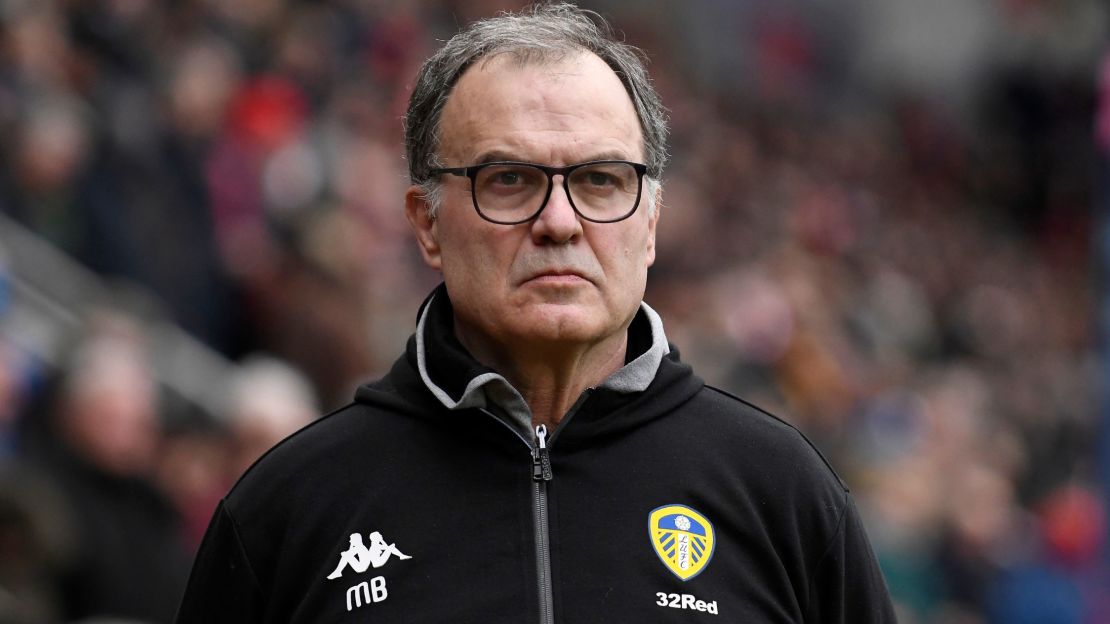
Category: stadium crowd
<point>885,237</point>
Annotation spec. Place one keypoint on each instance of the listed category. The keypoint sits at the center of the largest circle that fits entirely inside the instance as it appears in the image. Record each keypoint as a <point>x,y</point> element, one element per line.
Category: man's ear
<point>653,223</point>
<point>423,226</point>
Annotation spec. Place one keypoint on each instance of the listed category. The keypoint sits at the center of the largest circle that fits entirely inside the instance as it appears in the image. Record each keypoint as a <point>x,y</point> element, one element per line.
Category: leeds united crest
<point>682,538</point>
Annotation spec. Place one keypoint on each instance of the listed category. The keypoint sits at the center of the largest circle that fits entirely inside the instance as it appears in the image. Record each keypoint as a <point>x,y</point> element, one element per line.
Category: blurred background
<point>885,220</point>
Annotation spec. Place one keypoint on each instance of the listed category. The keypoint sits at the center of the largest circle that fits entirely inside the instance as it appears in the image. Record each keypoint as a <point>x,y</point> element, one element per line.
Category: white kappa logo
<point>360,557</point>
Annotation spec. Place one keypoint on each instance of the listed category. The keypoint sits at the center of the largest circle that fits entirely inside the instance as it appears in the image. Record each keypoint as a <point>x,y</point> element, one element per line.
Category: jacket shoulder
<point>770,438</point>
<point>345,436</point>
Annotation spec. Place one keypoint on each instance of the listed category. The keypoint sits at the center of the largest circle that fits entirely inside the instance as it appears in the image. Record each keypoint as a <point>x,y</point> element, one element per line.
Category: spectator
<point>128,558</point>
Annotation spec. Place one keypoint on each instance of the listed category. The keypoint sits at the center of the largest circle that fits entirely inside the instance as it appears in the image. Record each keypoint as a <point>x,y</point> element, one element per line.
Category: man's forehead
<point>509,99</point>
<point>553,64</point>
<point>523,57</point>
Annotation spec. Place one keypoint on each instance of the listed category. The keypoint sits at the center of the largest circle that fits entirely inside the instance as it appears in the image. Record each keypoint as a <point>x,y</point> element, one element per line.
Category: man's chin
<point>567,322</point>
<point>557,290</point>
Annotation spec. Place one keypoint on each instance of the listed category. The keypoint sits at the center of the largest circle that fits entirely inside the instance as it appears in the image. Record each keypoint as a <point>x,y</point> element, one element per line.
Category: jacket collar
<point>458,381</point>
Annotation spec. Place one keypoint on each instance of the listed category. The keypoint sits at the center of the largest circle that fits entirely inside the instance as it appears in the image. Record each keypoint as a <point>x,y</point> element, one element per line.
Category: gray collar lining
<point>492,388</point>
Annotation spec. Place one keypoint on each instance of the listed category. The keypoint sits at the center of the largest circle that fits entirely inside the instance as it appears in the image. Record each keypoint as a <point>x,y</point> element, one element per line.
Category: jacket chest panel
<point>449,541</point>
<point>656,544</point>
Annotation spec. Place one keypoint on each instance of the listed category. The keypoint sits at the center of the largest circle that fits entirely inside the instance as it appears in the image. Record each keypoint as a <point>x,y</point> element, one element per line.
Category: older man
<point>539,453</point>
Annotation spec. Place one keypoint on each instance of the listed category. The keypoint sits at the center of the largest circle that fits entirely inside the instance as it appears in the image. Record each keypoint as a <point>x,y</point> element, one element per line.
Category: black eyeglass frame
<point>472,173</point>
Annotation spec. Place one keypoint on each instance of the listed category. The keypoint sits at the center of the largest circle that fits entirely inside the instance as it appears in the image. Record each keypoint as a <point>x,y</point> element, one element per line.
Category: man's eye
<point>597,178</point>
<point>507,178</point>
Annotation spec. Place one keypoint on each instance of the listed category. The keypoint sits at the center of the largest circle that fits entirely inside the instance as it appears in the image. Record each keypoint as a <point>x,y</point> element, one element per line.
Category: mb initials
<point>366,592</point>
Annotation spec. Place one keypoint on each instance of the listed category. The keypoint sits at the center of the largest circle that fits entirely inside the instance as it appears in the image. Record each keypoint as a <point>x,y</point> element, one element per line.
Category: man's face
<point>556,280</point>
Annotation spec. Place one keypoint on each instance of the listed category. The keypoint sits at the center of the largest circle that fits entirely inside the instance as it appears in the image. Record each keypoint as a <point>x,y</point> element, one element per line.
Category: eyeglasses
<point>509,193</point>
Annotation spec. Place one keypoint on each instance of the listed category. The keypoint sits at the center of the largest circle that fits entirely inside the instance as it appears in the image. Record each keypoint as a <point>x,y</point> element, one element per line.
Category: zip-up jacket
<point>432,499</point>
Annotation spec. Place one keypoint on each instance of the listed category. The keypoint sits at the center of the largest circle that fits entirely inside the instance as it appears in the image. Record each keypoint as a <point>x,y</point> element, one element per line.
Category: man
<point>539,453</point>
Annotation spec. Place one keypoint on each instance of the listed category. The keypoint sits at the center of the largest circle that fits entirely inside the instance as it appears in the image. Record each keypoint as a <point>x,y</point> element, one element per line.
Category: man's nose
<point>557,222</point>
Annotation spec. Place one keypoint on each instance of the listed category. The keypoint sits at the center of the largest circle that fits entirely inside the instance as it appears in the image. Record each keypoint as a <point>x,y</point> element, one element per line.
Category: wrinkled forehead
<point>524,56</point>
<point>511,63</point>
<point>510,95</point>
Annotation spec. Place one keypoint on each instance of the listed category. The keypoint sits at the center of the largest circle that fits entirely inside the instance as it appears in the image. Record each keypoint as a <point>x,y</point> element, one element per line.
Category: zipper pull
<point>541,459</point>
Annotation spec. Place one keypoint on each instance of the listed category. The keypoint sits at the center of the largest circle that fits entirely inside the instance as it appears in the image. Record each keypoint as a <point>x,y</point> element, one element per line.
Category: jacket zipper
<point>541,474</point>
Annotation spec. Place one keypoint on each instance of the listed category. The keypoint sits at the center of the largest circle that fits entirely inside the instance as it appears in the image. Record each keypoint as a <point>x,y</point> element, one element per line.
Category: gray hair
<point>541,33</point>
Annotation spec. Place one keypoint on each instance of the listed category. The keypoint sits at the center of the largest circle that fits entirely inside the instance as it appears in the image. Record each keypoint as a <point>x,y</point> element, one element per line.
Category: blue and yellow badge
<point>682,538</point>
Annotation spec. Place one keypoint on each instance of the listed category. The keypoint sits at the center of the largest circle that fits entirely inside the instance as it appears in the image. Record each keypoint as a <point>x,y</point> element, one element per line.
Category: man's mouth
<point>557,276</point>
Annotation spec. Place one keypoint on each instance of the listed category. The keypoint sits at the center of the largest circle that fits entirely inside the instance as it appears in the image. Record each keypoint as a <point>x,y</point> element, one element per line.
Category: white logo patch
<point>361,557</point>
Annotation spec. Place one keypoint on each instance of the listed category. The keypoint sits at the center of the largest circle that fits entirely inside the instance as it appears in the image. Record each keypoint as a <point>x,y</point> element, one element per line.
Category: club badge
<point>682,538</point>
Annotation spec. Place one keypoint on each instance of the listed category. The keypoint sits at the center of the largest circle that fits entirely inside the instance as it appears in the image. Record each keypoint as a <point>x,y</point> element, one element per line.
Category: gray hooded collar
<point>492,391</point>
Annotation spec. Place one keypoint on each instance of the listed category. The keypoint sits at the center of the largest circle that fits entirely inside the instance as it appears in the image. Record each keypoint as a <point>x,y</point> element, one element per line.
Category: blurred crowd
<point>878,222</point>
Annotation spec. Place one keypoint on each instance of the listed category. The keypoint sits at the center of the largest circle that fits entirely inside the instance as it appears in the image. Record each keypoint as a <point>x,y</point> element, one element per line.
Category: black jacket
<point>455,516</point>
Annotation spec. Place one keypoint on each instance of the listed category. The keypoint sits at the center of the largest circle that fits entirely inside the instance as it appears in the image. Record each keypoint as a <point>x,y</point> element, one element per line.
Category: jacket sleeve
<point>222,586</point>
<point>847,584</point>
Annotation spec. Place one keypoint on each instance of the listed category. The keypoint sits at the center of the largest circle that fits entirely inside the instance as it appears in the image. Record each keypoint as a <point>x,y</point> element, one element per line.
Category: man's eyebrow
<point>608,155</point>
<point>499,155</point>
<point>496,155</point>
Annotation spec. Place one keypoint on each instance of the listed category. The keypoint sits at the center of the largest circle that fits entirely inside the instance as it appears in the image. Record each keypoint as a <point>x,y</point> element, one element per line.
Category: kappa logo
<point>682,538</point>
<point>360,557</point>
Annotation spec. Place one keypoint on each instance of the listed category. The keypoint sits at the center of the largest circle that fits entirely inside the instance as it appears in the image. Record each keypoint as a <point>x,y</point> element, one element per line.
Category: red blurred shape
<point>1073,522</point>
<point>268,111</point>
